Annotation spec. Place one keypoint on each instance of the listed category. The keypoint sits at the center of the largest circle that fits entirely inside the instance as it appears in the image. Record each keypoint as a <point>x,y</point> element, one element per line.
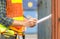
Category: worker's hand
<point>31,22</point>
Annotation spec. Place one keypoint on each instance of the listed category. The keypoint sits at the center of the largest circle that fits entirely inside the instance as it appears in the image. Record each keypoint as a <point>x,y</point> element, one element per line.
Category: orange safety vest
<point>14,10</point>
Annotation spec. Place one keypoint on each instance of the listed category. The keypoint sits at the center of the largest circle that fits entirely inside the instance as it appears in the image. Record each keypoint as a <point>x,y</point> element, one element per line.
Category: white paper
<point>43,19</point>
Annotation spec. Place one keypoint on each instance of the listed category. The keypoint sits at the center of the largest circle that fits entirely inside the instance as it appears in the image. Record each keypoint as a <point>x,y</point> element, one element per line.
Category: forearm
<point>17,22</point>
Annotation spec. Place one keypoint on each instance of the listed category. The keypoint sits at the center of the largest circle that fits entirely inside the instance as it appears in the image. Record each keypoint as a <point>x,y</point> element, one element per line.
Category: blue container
<point>34,15</point>
<point>30,4</point>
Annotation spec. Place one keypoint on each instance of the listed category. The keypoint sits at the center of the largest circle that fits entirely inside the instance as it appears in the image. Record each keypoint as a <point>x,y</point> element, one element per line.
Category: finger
<point>29,17</point>
<point>33,23</point>
<point>34,19</point>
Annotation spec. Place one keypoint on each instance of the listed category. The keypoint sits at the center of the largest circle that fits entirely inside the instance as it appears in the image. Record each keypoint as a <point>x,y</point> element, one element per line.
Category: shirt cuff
<point>9,22</point>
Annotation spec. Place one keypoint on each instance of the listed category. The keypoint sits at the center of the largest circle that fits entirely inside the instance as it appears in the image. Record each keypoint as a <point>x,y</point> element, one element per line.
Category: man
<point>4,20</point>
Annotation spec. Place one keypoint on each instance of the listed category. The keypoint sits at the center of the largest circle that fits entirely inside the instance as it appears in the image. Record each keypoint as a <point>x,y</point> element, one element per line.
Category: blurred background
<point>30,9</point>
<point>38,9</point>
<point>44,28</point>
